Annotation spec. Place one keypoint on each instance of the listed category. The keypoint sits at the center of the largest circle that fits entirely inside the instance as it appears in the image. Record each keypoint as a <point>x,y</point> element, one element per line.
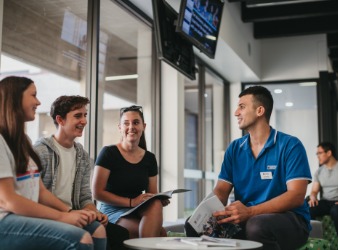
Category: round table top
<point>168,243</point>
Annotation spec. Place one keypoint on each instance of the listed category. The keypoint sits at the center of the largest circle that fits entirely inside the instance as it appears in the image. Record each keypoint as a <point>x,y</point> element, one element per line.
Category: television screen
<point>171,47</point>
<point>199,21</point>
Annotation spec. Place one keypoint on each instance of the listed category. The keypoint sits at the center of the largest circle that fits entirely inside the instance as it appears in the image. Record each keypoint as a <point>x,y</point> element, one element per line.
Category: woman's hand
<point>102,218</point>
<point>165,202</point>
<point>79,218</point>
<point>141,198</point>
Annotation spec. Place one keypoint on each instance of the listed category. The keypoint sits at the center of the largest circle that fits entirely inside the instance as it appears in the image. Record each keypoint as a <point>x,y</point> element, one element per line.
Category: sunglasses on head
<point>131,108</point>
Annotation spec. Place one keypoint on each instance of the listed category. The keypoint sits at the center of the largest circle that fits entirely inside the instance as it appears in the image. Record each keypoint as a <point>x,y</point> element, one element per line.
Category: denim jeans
<point>20,232</point>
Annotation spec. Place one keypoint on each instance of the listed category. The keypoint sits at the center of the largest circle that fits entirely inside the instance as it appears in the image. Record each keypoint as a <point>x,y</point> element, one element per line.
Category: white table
<point>167,243</point>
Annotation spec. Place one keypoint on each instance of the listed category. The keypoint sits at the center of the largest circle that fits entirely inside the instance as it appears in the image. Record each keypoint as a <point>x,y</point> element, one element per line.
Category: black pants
<point>326,207</point>
<point>279,231</point>
<point>116,234</point>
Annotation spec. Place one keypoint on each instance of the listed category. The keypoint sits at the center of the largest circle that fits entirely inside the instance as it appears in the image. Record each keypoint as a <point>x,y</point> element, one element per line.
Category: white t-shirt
<point>66,173</point>
<point>26,184</point>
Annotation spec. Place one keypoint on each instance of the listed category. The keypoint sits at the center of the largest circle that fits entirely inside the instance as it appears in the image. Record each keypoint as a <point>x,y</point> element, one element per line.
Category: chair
<point>316,241</point>
<point>316,244</point>
<point>329,231</point>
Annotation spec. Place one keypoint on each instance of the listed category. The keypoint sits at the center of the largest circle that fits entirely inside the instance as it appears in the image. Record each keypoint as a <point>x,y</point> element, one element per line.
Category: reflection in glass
<point>45,41</point>
<point>124,69</point>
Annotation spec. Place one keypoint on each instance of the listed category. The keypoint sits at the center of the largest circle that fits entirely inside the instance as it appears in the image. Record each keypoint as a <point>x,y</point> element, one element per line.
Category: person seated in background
<point>325,183</point>
<point>66,165</point>
<point>125,175</point>
<point>269,173</point>
<point>30,216</point>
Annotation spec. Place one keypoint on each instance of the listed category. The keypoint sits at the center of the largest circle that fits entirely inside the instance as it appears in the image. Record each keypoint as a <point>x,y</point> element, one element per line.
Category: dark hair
<point>12,121</point>
<point>261,96</point>
<point>64,104</point>
<point>139,110</point>
<point>328,146</point>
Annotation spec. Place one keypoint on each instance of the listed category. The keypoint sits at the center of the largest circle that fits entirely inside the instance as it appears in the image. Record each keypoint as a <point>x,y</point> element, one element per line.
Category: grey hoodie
<point>49,156</point>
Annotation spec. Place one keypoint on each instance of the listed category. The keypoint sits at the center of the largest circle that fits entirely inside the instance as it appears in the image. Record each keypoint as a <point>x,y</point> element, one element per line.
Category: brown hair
<point>12,121</point>
<point>64,104</point>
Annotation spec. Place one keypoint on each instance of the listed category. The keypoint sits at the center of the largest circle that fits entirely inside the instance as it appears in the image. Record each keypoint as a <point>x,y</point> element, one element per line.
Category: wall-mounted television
<point>172,47</point>
<point>199,21</point>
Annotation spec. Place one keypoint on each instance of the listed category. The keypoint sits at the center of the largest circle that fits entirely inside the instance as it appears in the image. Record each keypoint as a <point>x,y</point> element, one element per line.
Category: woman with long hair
<point>30,216</point>
<point>125,175</point>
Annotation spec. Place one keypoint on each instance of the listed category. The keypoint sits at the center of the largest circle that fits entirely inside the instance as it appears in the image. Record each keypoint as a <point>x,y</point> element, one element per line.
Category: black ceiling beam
<point>296,27</point>
<point>334,65</point>
<point>287,11</point>
<point>333,54</point>
<point>332,40</point>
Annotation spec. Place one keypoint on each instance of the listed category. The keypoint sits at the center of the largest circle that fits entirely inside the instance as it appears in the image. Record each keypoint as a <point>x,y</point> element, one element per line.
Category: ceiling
<point>282,18</point>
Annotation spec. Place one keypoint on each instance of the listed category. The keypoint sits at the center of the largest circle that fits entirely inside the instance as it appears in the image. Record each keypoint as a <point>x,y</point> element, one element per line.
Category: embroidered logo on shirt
<point>271,167</point>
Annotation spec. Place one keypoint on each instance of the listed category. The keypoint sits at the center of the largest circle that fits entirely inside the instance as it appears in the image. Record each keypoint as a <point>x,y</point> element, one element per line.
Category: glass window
<point>46,41</point>
<point>202,151</point>
<point>125,57</point>
<point>214,128</point>
<point>192,169</point>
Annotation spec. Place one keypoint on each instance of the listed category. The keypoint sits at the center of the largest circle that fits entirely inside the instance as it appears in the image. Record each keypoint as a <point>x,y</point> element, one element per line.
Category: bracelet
<point>130,202</point>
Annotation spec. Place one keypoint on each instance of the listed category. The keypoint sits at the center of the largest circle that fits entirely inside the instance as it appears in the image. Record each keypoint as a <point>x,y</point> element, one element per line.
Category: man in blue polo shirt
<point>269,173</point>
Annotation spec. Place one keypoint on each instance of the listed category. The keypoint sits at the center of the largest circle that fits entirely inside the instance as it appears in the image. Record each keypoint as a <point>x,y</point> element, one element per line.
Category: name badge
<point>266,175</point>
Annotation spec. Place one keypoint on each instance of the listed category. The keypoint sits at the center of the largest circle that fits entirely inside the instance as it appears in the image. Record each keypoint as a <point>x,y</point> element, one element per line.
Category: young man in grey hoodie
<point>67,166</point>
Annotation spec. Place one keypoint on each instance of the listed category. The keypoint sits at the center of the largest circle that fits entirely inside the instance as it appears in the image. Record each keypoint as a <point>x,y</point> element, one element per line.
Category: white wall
<point>218,127</point>
<point>302,124</point>
<point>172,143</point>
<point>239,36</point>
<point>235,90</point>
<point>294,57</point>
<point>144,66</point>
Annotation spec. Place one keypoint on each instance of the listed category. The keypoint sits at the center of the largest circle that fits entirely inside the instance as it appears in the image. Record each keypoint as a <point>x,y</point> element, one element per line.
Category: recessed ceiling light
<point>289,104</point>
<point>278,91</point>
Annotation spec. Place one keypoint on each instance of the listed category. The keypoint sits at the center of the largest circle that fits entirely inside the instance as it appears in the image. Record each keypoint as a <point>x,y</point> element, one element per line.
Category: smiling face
<point>247,112</point>
<point>74,123</point>
<point>30,102</point>
<point>131,127</point>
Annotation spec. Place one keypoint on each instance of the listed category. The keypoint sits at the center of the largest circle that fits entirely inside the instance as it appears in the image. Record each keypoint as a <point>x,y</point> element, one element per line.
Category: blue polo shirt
<point>255,181</point>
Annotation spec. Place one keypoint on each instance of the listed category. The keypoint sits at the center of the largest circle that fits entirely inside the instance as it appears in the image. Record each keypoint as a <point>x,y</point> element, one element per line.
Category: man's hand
<point>79,218</point>
<point>102,218</point>
<point>90,214</point>
<point>313,201</point>
<point>235,213</point>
